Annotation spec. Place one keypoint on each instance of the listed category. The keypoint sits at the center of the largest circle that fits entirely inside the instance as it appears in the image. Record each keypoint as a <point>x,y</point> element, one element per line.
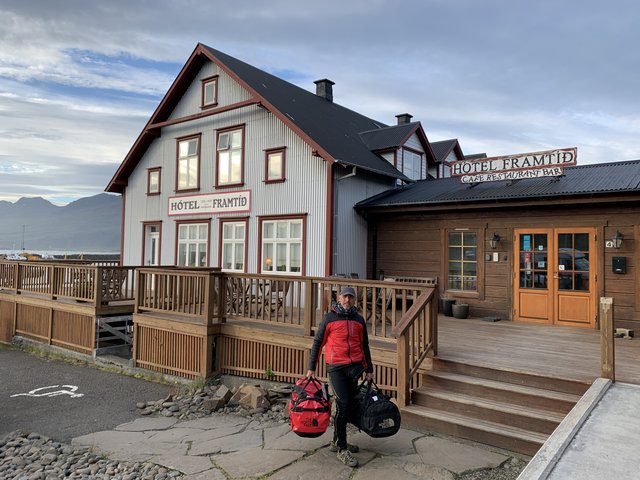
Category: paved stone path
<point>233,447</point>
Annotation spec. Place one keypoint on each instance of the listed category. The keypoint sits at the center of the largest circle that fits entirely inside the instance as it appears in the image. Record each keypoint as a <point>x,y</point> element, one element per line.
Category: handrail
<point>417,338</point>
<point>98,285</point>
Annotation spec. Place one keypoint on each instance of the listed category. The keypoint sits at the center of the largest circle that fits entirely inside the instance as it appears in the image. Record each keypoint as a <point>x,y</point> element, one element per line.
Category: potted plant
<point>460,310</point>
<point>445,306</point>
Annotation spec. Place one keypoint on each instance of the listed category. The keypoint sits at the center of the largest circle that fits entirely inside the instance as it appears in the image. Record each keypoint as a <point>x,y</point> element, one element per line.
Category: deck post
<point>53,284</point>
<point>403,370</point>
<point>309,306</point>
<point>100,278</point>
<point>139,288</point>
<point>607,352</point>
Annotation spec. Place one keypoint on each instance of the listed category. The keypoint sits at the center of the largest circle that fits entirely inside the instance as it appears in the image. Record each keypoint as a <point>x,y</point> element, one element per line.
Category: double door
<point>555,276</point>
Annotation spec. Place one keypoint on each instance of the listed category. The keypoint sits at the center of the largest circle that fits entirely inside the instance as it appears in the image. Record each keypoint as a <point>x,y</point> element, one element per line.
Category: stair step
<point>501,391</point>
<point>526,417</point>
<point>565,385</point>
<point>487,432</point>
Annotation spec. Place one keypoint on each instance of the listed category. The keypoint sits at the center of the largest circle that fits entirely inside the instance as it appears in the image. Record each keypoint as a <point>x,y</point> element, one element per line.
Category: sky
<point>80,78</point>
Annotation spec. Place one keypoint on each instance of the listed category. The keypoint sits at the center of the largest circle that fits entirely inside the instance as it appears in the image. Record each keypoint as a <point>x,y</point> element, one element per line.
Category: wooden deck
<point>561,352</point>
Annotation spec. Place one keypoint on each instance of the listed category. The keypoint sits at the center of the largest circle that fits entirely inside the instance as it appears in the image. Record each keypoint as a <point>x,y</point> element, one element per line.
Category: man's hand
<point>369,377</point>
<point>311,373</point>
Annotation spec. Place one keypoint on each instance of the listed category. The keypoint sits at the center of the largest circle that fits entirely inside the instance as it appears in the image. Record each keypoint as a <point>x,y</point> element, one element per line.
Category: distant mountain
<point>89,224</point>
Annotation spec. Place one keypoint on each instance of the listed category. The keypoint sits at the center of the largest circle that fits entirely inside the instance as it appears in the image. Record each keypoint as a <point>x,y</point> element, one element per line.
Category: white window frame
<point>282,246</point>
<point>233,245</point>
<point>187,162</point>
<point>412,164</point>
<point>230,157</point>
<point>271,158</point>
<point>212,84</point>
<point>463,278</point>
<point>188,244</point>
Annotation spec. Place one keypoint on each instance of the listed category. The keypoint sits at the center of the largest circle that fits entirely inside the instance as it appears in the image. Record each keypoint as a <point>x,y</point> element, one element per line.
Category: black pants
<point>344,383</point>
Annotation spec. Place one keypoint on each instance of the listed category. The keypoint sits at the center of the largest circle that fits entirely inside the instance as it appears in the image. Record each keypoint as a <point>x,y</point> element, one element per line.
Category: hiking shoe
<point>352,448</point>
<point>345,457</point>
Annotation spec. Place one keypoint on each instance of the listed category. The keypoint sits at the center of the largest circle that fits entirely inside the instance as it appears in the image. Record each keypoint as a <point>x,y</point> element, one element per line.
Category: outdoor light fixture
<point>617,239</point>
<point>494,240</point>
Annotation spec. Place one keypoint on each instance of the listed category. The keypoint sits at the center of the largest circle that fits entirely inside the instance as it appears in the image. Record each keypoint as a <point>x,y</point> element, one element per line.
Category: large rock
<point>250,397</point>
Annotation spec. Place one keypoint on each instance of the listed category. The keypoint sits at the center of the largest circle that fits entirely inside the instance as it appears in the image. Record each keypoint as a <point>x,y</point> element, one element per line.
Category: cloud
<point>78,80</point>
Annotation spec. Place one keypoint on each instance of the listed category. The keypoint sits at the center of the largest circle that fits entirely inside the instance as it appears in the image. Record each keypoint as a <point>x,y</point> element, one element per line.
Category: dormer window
<point>209,92</point>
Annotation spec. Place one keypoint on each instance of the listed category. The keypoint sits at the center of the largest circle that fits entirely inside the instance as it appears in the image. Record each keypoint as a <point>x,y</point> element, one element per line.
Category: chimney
<point>404,118</point>
<point>324,89</point>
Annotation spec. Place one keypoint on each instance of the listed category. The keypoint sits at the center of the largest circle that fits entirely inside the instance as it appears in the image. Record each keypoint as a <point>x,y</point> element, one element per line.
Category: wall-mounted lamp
<point>617,239</point>
<point>494,240</point>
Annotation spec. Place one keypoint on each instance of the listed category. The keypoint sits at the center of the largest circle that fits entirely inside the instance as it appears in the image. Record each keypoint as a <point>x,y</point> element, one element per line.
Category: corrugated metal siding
<point>229,92</point>
<point>303,192</point>
<point>350,229</point>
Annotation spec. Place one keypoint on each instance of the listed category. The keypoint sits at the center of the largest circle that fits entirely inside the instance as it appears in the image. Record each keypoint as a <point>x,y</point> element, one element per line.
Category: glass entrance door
<point>533,292</point>
<point>555,276</point>
<point>575,277</point>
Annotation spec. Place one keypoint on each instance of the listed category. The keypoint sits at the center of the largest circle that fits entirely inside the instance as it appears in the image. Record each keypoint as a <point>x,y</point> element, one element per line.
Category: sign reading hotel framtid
<point>550,163</point>
<point>226,202</point>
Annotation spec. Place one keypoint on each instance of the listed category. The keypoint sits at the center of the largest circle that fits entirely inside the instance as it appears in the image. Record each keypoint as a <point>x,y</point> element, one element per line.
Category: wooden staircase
<point>507,409</point>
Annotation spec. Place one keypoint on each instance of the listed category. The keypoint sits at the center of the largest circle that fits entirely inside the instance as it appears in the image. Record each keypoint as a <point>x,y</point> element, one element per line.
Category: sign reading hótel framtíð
<point>226,202</point>
<point>550,163</point>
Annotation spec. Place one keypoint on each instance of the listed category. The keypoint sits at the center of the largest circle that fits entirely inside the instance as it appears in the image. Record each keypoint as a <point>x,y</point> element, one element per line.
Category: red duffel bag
<point>310,407</point>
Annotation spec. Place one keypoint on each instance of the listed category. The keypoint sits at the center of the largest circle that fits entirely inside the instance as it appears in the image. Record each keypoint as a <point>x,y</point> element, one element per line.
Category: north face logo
<point>311,422</point>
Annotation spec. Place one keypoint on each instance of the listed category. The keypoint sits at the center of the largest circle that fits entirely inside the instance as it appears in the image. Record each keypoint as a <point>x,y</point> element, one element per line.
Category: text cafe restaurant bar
<point>530,238</point>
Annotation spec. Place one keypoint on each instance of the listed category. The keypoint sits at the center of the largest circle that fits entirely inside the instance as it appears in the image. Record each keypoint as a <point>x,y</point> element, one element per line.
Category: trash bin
<point>445,306</point>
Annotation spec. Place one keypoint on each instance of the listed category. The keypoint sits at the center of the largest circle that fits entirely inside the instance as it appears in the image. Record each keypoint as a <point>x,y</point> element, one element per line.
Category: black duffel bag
<point>373,412</point>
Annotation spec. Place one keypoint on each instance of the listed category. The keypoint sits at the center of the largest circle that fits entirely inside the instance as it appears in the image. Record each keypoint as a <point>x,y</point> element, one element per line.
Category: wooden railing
<point>189,292</point>
<point>98,285</point>
<point>298,302</point>
<point>417,338</point>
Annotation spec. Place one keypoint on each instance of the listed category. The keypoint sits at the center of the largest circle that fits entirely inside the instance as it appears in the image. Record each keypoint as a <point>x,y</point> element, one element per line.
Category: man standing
<point>343,333</point>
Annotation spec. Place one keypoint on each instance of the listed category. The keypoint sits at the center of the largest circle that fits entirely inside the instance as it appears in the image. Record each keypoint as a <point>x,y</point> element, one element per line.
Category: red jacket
<point>345,340</point>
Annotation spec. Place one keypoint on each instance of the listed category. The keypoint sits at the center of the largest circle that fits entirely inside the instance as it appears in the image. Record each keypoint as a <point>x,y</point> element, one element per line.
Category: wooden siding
<point>7,320</point>
<point>412,245</point>
<point>33,322</point>
<point>73,331</point>
<point>172,347</point>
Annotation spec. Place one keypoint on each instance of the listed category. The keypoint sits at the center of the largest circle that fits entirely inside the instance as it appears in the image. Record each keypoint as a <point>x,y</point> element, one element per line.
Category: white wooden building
<point>239,169</point>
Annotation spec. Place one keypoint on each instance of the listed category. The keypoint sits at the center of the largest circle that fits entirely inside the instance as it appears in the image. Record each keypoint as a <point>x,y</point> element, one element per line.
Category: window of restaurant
<point>193,241</point>
<point>282,242</point>
<point>209,92</point>
<point>233,245</point>
<point>462,261</point>
<point>274,165</point>
<point>153,181</point>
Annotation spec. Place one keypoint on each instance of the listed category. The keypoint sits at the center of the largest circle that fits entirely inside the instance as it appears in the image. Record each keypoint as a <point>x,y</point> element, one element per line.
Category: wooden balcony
<point>59,303</point>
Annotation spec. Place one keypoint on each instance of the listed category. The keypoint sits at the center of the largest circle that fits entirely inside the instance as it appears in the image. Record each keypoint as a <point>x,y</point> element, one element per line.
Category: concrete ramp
<point>598,439</point>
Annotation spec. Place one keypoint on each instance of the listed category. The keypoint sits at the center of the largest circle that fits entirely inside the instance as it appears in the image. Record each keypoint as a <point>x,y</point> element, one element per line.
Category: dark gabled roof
<point>332,130</point>
<point>587,180</point>
<point>388,137</point>
<point>442,149</point>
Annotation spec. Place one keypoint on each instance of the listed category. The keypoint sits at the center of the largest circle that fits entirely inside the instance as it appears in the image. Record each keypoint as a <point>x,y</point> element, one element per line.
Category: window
<point>230,157</point>
<point>193,239</point>
<point>188,177</point>
<point>462,261</point>
<point>412,164</point>
<point>274,165</point>
<point>153,181</point>
<point>209,92</point>
<point>282,246</point>
<point>233,245</point>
